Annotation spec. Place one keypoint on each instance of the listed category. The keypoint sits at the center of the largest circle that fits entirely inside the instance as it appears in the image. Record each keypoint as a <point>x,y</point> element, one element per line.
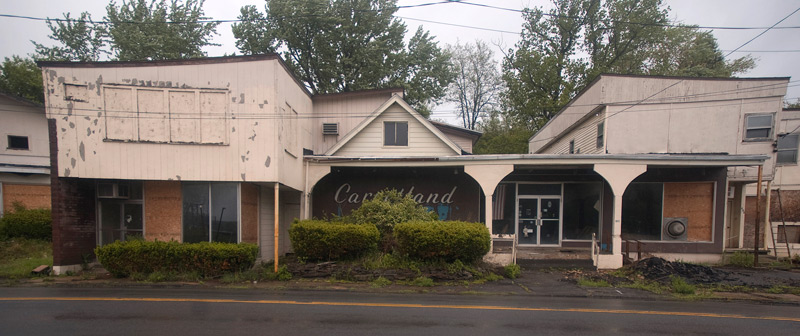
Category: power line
<point>763,32</point>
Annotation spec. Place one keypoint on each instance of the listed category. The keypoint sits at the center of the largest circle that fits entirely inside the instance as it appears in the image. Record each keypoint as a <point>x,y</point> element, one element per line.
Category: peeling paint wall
<point>203,122</point>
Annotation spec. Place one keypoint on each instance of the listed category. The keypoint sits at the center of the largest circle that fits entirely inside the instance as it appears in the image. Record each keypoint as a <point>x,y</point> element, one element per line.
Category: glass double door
<point>538,220</point>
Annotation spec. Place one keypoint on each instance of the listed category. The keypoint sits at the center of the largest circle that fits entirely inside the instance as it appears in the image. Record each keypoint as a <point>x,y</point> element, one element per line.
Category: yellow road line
<point>410,305</point>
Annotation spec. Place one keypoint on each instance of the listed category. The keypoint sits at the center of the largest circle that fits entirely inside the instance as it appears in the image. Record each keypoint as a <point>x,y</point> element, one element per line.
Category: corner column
<point>488,176</point>
<point>618,176</point>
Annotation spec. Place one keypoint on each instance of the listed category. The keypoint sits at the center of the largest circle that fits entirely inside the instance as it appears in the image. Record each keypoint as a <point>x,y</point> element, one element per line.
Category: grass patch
<point>512,271</point>
<point>18,257</point>
<point>586,282</point>
<point>741,259</point>
<point>381,282</point>
<point>422,282</point>
<point>646,285</point>
<point>680,286</point>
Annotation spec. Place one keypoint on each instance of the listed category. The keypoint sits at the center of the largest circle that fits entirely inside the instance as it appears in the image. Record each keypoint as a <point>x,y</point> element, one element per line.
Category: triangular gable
<point>383,108</point>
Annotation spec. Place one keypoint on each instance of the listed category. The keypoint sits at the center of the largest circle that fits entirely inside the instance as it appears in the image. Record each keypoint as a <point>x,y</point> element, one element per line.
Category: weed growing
<point>586,282</point>
<point>512,271</point>
<point>680,286</point>
<point>741,259</point>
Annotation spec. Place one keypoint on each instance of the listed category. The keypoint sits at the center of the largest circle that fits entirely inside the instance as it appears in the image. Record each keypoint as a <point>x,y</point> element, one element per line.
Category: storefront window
<point>641,211</point>
<point>210,212</point>
<point>582,206</point>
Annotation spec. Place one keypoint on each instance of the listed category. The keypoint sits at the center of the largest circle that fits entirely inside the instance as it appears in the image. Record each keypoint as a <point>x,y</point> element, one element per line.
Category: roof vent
<point>330,128</point>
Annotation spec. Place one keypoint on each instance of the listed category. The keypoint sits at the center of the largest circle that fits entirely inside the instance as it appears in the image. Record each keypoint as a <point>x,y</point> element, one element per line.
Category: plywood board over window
<point>162,205</point>
<point>153,119</point>
<point>184,118</point>
<point>121,114</point>
<point>694,201</point>
<point>213,117</point>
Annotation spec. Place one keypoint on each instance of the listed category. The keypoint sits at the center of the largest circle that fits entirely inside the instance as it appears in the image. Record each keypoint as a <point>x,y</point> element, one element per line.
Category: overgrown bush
<point>512,271</point>
<point>447,240</point>
<point>26,223</point>
<point>320,240</point>
<point>388,208</point>
<point>146,257</point>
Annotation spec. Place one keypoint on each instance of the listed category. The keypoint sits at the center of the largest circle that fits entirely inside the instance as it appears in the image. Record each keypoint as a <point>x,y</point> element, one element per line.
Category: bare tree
<point>478,83</point>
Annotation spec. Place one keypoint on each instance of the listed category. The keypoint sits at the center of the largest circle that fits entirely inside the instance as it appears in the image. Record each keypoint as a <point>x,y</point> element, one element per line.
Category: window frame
<point>210,214</point>
<point>748,128</point>
<point>395,143</point>
<point>601,133</point>
<point>572,146</point>
<point>795,149</point>
<point>27,142</point>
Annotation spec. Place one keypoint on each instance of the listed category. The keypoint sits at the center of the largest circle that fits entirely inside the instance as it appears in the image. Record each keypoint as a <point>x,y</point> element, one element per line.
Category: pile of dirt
<point>661,270</point>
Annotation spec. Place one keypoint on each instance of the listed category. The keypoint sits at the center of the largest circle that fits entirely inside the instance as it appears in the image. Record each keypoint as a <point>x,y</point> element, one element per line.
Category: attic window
<point>572,146</point>
<point>18,142</point>
<point>395,133</point>
<point>330,128</point>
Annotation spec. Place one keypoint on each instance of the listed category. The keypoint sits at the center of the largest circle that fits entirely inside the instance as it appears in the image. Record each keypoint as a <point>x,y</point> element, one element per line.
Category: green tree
<point>21,77</point>
<point>133,30</point>
<point>502,136</point>
<point>79,39</point>
<point>346,45</point>
<point>565,48</point>
<point>477,87</point>
<point>157,30</point>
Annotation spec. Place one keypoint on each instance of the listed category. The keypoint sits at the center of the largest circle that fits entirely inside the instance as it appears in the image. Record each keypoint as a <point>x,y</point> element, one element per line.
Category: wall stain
<point>52,74</point>
<point>66,172</point>
<point>82,152</point>
<point>71,125</point>
<point>99,83</point>
<point>88,131</point>
<point>72,162</point>
<point>87,118</point>
<point>243,179</point>
<point>69,108</point>
<point>178,177</point>
<point>243,157</point>
<point>266,163</point>
<point>233,129</point>
<point>253,138</point>
<point>241,98</point>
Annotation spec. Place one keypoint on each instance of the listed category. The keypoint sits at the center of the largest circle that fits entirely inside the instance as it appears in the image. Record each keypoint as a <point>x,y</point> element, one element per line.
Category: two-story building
<point>24,154</point>
<point>235,148</point>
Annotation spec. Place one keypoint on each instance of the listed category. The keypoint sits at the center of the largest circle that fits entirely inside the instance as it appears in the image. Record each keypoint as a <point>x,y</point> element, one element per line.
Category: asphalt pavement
<point>183,311</point>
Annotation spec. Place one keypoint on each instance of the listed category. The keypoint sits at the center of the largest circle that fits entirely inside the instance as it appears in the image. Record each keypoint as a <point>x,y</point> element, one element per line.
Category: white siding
<point>21,119</point>
<point>787,176</point>
<point>346,110</point>
<point>584,135</point>
<point>421,141</point>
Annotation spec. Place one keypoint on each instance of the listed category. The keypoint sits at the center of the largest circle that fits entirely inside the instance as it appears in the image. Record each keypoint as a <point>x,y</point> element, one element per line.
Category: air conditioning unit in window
<point>330,128</point>
<point>113,190</point>
<point>675,228</point>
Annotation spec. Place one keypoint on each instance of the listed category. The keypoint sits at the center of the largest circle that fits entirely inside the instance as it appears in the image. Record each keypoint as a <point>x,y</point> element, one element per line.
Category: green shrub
<point>741,259</point>
<point>389,208</point>
<point>26,223</point>
<point>146,257</point>
<point>512,271</point>
<point>450,240</point>
<point>422,282</point>
<point>320,240</point>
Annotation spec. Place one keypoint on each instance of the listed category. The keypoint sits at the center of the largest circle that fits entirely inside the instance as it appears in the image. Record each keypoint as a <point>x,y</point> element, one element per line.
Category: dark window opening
<point>503,204</point>
<point>210,212</point>
<point>395,133</point>
<point>18,142</point>
<point>572,146</point>
<point>582,206</point>
<point>641,211</point>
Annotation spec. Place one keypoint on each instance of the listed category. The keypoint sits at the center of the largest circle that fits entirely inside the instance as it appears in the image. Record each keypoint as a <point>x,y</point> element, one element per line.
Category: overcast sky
<point>17,33</point>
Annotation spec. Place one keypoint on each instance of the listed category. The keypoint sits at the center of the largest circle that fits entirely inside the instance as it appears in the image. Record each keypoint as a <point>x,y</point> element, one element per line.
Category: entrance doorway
<point>539,220</point>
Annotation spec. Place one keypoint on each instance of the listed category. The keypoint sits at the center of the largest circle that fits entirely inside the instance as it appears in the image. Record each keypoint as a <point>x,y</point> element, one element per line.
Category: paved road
<point>175,311</point>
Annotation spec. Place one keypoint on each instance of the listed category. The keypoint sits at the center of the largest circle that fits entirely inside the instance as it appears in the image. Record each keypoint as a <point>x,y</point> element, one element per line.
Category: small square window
<point>395,133</point>
<point>18,142</point>
<point>758,127</point>
<point>787,148</point>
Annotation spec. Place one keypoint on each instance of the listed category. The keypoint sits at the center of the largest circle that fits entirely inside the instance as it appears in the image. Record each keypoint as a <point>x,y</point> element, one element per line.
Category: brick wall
<point>74,212</point>
<point>31,196</point>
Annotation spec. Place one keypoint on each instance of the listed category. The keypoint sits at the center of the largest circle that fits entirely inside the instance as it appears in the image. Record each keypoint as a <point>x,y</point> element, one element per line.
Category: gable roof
<point>395,99</point>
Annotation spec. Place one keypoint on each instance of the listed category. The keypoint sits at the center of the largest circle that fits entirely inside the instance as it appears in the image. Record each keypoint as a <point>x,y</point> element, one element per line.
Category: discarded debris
<point>43,269</point>
<point>660,270</point>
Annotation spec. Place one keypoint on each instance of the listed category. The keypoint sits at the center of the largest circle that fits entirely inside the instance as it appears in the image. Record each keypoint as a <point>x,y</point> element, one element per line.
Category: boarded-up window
<point>184,118</point>
<point>121,114</point>
<point>74,92</point>
<point>153,122</point>
<point>165,115</point>
<point>694,201</point>
<point>213,117</point>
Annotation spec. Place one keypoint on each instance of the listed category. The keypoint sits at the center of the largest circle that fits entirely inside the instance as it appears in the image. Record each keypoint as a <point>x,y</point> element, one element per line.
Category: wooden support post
<point>277,223</point>
<point>758,218</point>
